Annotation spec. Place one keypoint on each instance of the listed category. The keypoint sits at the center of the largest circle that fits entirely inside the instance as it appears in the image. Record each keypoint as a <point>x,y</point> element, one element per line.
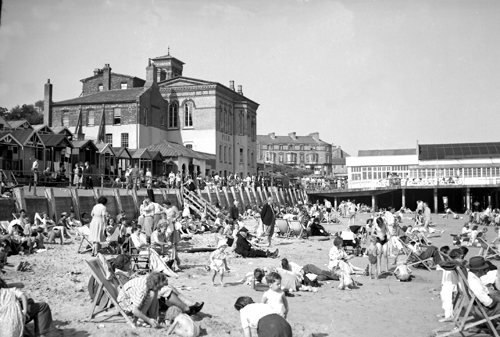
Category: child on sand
<point>402,272</point>
<point>372,252</point>
<point>218,262</point>
<point>181,324</point>
<point>275,296</point>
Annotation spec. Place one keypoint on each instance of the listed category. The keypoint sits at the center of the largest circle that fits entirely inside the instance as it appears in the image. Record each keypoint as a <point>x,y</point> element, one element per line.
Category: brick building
<point>307,152</point>
<point>127,111</point>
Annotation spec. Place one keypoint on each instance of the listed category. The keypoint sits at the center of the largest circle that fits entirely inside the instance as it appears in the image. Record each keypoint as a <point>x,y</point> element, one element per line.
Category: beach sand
<point>382,307</point>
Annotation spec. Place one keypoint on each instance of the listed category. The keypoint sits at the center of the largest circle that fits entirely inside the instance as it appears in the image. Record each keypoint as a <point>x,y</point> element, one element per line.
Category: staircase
<point>198,204</point>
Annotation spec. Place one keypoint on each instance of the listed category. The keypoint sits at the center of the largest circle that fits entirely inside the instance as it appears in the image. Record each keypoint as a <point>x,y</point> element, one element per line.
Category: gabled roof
<point>5,123</point>
<point>156,155</point>
<point>60,130</point>
<point>122,153</point>
<point>459,151</point>
<point>24,135</point>
<point>287,140</point>
<point>108,96</point>
<point>21,123</point>
<point>390,152</point>
<point>105,148</point>
<point>141,154</point>
<point>55,140</point>
<point>77,144</point>
<point>7,137</point>
<point>170,149</point>
<point>112,73</point>
<point>42,128</point>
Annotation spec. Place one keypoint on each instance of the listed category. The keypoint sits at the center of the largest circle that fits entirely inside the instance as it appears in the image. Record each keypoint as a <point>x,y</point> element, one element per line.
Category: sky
<point>364,74</point>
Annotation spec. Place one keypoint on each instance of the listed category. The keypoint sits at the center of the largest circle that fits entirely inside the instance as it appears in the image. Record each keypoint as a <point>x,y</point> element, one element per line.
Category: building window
<point>302,148</point>
<point>90,117</point>
<point>302,158</point>
<point>65,118</point>
<point>117,116</point>
<point>281,158</point>
<point>124,85</point>
<point>290,147</point>
<point>291,158</point>
<point>281,147</point>
<point>124,139</point>
<point>188,115</point>
<point>241,155</point>
<point>229,155</point>
<point>269,147</point>
<point>220,153</point>
<point>162,120</point>
<point>225,154</point>
<point>145,116</point>
<point>173,116</point>
<point>189,146</point>
<point>230,126</point>
<point>109,138</point>
<point>251,162</point>
<point>248,157</point>
<point>100,87</point>
<point>241,123</point>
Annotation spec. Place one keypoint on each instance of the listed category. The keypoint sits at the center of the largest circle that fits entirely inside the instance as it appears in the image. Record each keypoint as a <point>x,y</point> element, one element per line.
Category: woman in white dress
<point>98,224</point>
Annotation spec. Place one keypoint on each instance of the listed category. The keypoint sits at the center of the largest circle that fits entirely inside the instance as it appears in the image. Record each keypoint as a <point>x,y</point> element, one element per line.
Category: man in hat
<point>245,249</point>
<point>234,211</point>
<point>479,268</point>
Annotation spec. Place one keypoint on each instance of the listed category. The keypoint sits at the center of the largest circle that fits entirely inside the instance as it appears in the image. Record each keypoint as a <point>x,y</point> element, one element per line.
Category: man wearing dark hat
<point>268,217</point>
<point>244,247</point>
<point>479,267</point>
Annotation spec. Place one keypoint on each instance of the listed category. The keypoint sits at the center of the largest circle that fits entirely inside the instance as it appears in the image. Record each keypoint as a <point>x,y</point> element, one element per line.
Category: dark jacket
<point>234,212</point>
<point>267,215</point>
<point>243,247</point>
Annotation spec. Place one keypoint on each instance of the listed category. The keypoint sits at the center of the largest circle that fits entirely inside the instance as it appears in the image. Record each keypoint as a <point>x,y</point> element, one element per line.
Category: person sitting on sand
<point>17,311</point>
<point>402,271</point>
<point>245,249</point>
<point>180,323</point>
<point>339,264</point>
<point>262,317</point>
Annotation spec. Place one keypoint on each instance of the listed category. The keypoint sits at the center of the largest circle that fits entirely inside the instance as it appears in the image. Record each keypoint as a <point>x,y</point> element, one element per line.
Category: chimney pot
<point>48,80</point>
<point>240,89</point>
<point>231,85</point>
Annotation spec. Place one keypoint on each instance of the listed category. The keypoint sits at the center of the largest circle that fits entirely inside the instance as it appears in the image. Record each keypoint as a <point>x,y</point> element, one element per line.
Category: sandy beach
<point>386,307</point>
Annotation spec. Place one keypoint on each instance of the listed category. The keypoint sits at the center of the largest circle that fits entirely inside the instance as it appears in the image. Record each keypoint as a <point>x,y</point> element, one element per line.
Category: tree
<point>32,113</point>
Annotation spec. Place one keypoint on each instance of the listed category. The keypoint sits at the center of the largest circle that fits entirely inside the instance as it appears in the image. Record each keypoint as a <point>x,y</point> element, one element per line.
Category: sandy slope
<point>379,308</point>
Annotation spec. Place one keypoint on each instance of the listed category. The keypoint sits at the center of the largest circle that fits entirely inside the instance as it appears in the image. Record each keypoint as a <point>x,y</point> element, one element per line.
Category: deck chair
<point>112,241</point>
<point>283,226</point>
<point>469,312</point>
<point>140,256</point>
<point>296,228</point>
<point>491,252</point>
<point>106,287</point>
<point>83,233</point>
<point>412,258</point>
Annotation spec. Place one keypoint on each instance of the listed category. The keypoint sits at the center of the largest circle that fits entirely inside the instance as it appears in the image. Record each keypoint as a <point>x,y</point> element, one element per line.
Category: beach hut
<point>107,159</point>
<point>124,158</point>
<point>142,157</point>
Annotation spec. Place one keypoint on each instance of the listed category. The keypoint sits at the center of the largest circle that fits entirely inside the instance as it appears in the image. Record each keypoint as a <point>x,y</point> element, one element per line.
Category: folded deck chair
<point>106,287</point>
<point>296,228</point>
<point>411,257</point>
<point>491,252</point>
<point>283,226</point>
<point>469,312</point>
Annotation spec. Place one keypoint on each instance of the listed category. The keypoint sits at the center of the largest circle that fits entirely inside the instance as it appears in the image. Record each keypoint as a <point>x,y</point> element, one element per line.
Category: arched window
<point>229,155</point>
<point>241,123</point>
<point>251,162</point>
<point>281,158</point>
<point>188,115</point>
<point>241,155</point>
<point>173,116</point>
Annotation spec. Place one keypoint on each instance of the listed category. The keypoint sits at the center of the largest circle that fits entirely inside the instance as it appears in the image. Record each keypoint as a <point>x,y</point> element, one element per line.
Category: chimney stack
<point>272,135</point>
<point>106,77</point>
<point>315,136</point>
<point>151,75</point>
<point>293,135</point>
<point>97,71</point>
<point>47,100</point>
<point>231,85</point>
<point>240,89</point>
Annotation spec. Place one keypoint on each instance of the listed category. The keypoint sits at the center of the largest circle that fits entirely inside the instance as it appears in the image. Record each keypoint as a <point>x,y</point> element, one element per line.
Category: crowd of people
<point>160,227</point>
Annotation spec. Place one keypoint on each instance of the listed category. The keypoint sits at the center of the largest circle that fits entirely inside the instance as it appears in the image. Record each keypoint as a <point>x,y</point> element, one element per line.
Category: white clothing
<point>275,301</point>
<point>479,289</point>
<point>251,314</point>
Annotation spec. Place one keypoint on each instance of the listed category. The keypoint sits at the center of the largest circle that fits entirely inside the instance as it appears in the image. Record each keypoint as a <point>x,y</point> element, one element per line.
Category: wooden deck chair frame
<point>84,240</point>
<point>410,254</point>
<point>296,228</point>
<point>489,248</point>
<point>138,258</point>
<point>473,308</point>
<point>283,226</point>
<point>105,285</point>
